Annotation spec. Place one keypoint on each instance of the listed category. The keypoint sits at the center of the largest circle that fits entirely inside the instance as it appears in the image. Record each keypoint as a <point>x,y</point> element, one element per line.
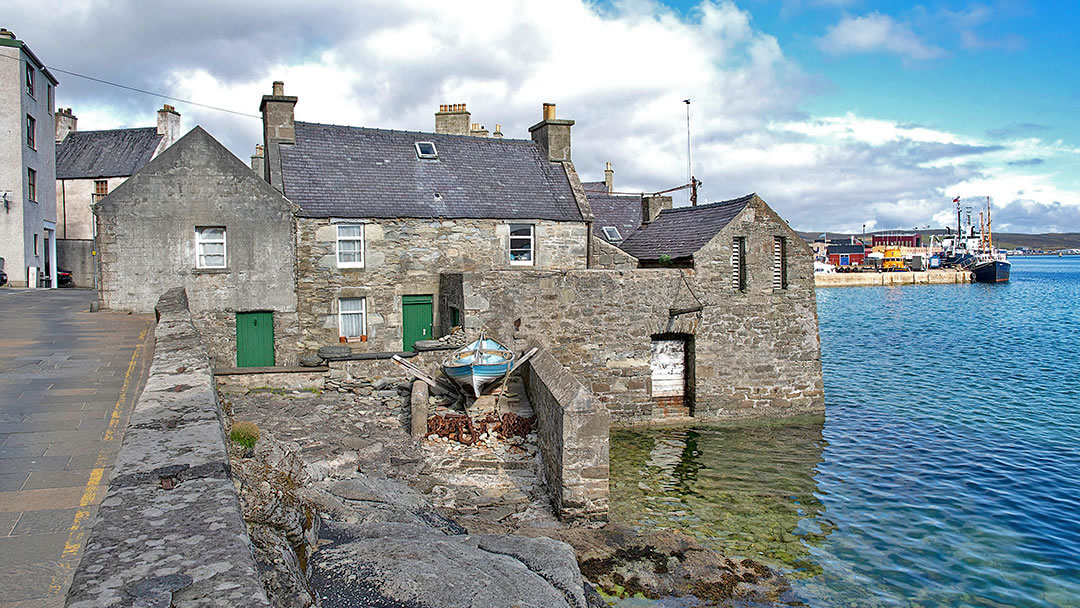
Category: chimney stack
<point>609,178</point>
<point>168,125</point>
<point>652,205</point>
<point>65,123</point>
<point>498,131</point>
<point>553,135</point>
<point>279,128</point>
<point>6,33</point>
<point>452,119</point>
<point>257,161</point>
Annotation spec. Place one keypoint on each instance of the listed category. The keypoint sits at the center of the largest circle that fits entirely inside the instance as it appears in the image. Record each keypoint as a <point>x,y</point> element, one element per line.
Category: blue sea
<point>945,472</point>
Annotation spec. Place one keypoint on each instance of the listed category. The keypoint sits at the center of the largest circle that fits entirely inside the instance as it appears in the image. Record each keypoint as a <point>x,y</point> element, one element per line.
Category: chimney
<point>279,128</point>
<point>257,160</point>
<point>553,135</point>
<point>6,33</point>
<point>498,131</point>
<point>168,125</point>
<point>609,178</point>
<point>65,123</point>
<point>652,205</point>
<point>478,130</point>
<point>452,119</point>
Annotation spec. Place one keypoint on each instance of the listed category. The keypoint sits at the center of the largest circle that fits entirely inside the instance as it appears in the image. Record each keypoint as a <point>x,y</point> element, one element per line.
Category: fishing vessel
<point>975,252</point>
<point>478,363</point>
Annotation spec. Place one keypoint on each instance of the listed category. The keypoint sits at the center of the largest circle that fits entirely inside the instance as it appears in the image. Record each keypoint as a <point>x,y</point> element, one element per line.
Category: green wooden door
<point>254,339</point>
<point>416,320</point>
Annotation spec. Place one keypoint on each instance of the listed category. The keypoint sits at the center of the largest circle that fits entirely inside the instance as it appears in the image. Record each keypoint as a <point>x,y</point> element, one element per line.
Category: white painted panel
<point>668,364</point>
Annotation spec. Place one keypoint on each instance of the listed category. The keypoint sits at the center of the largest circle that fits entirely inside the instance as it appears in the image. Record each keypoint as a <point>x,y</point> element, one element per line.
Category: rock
<point>374,500</point>
<point>381,383</point>
<point>406,565</point>
<point>310,360</point>
<point>335,353</point>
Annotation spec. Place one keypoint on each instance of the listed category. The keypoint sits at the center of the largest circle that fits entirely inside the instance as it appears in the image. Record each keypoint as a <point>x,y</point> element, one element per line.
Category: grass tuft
<point>245,434</point>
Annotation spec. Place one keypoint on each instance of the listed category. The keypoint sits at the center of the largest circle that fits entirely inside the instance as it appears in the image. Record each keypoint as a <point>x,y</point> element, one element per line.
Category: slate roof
<point>591,187</point>
<point>679,233</point>
<point>97,154</point>
<point>856,248</point>
<point>335,171</point>
<point>620,211</point>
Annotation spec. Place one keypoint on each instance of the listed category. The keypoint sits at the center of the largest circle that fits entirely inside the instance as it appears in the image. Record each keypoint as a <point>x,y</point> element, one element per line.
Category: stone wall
<point>170,531</point>
<point>749,355</point>
<point>573,435</point>
<point>146,240</point>
<point>406,257</point>
<point>605,256</point>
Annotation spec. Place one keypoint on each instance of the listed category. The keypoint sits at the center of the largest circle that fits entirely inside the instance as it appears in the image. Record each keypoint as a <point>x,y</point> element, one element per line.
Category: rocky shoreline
<point>345,508</point>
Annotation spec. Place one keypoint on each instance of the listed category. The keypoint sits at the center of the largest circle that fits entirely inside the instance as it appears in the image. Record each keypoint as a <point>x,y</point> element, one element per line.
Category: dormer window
<point>611,233</point>
<point>426,149</point>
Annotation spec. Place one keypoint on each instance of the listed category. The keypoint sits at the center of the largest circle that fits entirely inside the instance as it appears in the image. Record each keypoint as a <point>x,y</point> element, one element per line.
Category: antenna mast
<point>690,158</point>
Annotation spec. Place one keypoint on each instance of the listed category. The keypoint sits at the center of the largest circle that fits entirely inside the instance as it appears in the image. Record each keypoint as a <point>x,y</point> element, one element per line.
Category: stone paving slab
<point>64,373</point>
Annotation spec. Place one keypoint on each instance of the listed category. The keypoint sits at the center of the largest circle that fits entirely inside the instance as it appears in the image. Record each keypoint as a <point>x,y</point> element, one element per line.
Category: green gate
<point>416,320</point>
<point>254,339</point>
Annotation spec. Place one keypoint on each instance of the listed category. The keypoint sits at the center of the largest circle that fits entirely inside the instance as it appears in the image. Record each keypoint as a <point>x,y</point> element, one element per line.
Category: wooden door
<point>416,320</point>
<point>254,339</point>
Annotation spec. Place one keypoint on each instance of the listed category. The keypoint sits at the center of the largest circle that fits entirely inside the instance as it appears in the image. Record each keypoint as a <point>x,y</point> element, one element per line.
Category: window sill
<point>211,271</point>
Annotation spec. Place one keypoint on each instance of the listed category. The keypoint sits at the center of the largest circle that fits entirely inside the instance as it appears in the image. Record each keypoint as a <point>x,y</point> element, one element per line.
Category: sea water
<point>945,472</point>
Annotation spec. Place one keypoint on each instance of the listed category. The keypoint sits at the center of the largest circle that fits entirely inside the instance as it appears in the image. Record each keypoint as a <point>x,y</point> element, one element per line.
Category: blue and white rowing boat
<point>478,363</point>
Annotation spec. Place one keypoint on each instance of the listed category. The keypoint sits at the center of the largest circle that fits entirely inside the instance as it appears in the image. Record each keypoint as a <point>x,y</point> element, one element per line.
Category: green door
<point>254,339</point>
<point>416,320</point>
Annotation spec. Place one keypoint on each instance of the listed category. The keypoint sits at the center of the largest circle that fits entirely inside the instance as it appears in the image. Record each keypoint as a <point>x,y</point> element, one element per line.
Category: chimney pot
<point>279,88</point>
<point>549,111</point>
<point>452,119</point>
<point>609,178</point>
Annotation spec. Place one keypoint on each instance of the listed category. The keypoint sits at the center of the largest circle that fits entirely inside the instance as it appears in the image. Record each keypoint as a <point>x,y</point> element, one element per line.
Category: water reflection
<point>746,489</point>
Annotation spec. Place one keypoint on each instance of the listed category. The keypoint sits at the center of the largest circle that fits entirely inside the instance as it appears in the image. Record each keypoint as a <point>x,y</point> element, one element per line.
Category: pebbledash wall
<point>753,353</point>
<point>405,257</point>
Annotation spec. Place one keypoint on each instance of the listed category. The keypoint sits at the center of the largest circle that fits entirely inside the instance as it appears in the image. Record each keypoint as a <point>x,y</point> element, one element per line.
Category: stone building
<point>197,217</point>
<point>27,166</point>
<point>382,213</point>
<point>89,165</point>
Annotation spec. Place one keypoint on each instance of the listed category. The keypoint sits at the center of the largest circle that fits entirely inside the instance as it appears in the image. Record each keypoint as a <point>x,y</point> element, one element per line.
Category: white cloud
<point>621,73</point>
<point>876,33</point>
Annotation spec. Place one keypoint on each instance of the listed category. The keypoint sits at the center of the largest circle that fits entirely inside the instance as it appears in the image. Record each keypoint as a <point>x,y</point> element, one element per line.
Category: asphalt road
<point>68,380</point>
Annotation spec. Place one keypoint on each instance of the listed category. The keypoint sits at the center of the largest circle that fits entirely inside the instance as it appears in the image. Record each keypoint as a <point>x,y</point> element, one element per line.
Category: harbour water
<point>946,471</point>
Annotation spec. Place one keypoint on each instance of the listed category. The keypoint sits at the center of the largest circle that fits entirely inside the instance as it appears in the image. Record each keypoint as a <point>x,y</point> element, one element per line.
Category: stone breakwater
<point>169,531</point>
<point>877,279</point>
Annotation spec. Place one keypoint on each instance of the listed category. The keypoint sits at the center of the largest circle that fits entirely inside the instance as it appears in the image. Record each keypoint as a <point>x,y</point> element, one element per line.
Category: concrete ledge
<point>573,435</point>
<point>877,279</point>
<point>240,371</point>
<point>170,530</point>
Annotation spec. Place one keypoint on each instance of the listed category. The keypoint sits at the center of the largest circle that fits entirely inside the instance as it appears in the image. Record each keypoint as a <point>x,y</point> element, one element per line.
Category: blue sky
<point>838,112</point>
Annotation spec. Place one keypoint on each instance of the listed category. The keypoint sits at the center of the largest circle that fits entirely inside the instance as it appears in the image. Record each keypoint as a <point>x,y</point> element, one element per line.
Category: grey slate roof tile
<point>681,232</point>
<point>336,171</point>
<point>98,154</point>
<point>591,187</point>
<point>621,211</point>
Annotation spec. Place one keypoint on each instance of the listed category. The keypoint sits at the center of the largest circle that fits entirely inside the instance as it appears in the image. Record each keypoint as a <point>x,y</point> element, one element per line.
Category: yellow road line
<point>76,533</point>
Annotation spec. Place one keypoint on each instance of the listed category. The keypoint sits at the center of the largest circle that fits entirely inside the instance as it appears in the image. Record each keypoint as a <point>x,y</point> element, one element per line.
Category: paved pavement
<point>68,380</point>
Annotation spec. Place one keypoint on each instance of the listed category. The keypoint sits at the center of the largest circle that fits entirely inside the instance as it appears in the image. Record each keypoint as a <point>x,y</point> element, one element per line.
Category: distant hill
<point>1004,240</point>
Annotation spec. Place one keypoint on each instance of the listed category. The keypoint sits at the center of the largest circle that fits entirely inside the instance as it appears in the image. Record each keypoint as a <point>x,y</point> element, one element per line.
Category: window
<point>611,233</point>
<point>31,132</point>
<point>455,316</point>
<point>210,247</point>
<point>29,79</point>
<point>779,270</point>
<point>352,317</point>
<point>49,95</point>
<point>350,246</point>
<point>426,149</point>
<point>101,186</point>
<point>36,250</point>
<point>521,244</point>
<point>31,185</point>
<point>738,263</point>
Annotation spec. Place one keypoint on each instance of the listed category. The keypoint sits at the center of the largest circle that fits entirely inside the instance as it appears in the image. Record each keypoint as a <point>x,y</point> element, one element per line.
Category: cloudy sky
<point>839,113</point>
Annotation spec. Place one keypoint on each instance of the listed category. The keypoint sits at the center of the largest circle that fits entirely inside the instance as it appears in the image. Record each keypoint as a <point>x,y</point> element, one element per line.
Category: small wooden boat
<point>478,363</point>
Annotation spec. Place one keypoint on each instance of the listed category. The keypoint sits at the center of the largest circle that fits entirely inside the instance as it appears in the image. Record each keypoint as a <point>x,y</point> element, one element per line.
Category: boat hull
<point>477,364</point>
<point>996,271</point>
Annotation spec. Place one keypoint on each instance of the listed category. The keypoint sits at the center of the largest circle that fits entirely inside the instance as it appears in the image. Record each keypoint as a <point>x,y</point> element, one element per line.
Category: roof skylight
<point>611,233</point>
<point>426,149</point>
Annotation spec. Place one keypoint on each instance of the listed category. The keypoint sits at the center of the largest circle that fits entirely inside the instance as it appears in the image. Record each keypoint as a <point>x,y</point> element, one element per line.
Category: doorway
<point>416,320</point>
<point>254,339</point>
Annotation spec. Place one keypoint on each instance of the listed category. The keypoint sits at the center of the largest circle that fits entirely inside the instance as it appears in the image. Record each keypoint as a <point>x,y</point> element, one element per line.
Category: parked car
<point>63,277</point>
<point>3,278</point>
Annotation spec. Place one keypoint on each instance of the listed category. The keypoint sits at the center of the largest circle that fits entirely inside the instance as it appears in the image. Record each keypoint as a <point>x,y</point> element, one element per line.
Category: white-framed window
<point>611,233</point>
<point>426,149</point>
<point>31,132</point>
<point>210,246</point>
<point>350,245</point>
<point>352,317</point>
<point>522,244</point>
<point>31,184</point>
<point>29,79</point>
